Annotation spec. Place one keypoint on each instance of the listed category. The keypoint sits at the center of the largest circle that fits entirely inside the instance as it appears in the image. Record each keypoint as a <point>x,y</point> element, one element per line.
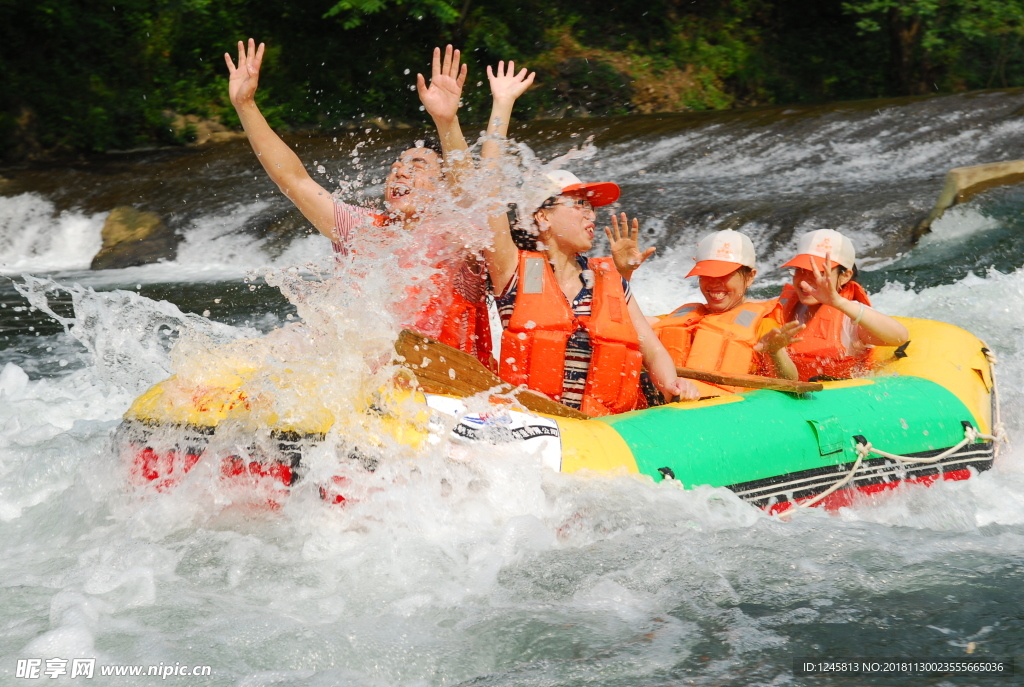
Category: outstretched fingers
<point>634,229</point>
<point>614,233</point>
<point>257,61</point>
<point>241,55</point>
<point>790,330</point>
<point>446,66</point>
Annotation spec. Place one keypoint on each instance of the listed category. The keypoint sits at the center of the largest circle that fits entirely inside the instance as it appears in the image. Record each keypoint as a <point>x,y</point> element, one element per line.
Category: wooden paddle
<point>441,369</point>
<point>750,381</point>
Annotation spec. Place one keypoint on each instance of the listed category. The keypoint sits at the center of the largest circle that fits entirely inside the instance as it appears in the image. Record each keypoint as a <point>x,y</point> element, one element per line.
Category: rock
<point>199,131</point>
<point>963,183</point>
<point>133,237</point>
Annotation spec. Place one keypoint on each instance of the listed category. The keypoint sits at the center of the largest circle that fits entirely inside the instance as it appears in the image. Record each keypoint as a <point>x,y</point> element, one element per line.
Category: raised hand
<point>823,283</point>
<point>441,97</point>
<point>506,85</point>
<point>244,78</point>
<point>622,237</point>
<point>779,338</point>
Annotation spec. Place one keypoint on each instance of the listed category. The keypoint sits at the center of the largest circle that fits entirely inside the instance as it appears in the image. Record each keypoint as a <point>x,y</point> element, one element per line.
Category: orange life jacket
<point>467,327</point>
<point>822,352</point>
<point>466,324</point>
<point>714,342</point>
<point>534,344</point>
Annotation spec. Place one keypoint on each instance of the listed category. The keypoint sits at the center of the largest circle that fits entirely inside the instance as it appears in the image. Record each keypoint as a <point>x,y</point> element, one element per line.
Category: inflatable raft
<point>928,412</point>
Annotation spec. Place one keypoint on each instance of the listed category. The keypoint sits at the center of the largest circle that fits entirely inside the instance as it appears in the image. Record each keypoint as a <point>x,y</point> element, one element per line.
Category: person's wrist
<point>843,304</point>
<point>504,102</point>
<point>445,120</point>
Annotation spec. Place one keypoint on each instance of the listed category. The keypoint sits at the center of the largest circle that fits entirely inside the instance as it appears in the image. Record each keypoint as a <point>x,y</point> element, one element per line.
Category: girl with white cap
<point>729,333</point>
<point>571,327</point>
<point>841,325</point>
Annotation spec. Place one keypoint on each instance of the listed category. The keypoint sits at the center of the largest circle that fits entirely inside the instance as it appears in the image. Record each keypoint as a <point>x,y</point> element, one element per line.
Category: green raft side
<point>770,433</point>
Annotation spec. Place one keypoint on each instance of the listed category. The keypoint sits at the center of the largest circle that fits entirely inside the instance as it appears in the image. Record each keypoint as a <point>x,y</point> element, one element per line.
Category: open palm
<point>246,76</point>
<point>822,285</point>
<point>506,85</point>
<point>441,98</point>
<point>623,238</point>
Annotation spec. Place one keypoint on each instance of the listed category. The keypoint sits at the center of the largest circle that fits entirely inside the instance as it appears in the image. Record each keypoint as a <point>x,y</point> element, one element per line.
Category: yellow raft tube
<point>928,412</point>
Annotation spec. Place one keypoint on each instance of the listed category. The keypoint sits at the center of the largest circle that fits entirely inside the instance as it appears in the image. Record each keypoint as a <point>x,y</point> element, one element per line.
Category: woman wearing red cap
<point>572,329</point>
<point>841,325</point>
<point>728,333</point>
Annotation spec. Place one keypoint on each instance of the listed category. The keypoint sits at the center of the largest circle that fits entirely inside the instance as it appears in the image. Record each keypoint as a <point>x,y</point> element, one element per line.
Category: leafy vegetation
<point>81,75</point>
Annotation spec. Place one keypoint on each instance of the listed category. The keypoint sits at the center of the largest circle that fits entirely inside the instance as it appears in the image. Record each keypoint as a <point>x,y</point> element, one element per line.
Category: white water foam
<point>34,237</point>
<point>480,565</point>
<point>957,223</point>
<point>758,161</point>
<point>450,564</point>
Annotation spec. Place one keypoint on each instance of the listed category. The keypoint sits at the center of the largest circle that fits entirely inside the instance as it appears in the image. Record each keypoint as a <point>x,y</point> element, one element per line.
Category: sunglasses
<point>575,203</point>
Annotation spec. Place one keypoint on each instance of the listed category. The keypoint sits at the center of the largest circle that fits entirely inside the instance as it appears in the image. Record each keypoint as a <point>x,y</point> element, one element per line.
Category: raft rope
<point>864,449</point>
<point>997,421</point>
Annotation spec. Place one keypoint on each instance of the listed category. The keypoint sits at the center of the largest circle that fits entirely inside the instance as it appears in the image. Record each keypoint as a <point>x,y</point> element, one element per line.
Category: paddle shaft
<point>750,381</point>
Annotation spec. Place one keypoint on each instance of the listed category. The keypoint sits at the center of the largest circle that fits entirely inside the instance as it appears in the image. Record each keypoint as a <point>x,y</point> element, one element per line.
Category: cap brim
<point>601,193</point>
<point>713,268</point>
<point>803,262</point>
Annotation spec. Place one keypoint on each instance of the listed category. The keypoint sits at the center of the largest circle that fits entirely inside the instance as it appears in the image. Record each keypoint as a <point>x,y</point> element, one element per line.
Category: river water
<point>492,570</point>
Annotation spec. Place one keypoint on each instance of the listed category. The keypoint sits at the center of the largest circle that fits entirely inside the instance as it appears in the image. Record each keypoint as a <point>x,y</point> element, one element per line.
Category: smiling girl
<point>729,333</point>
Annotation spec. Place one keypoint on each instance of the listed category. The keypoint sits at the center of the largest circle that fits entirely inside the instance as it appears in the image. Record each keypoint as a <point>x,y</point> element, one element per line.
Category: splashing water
<point>450,562</point>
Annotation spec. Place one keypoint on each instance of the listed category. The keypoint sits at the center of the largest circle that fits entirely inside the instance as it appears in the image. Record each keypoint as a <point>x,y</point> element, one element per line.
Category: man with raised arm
<point>456,311</point>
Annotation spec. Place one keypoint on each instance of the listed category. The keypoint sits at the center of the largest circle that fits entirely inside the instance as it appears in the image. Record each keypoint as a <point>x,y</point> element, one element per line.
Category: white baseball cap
<point>599,193</point>
<point>821,243</point>
<point>722,253</point>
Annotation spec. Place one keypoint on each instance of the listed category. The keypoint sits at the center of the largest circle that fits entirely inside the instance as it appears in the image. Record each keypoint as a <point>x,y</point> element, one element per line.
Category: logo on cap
<point>724,251</point>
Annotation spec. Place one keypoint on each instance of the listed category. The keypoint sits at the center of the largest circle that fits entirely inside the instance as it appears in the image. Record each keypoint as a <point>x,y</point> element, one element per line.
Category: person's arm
<point>875,328</point>
<point>281,163</point>
<point>441,101</point>
<point>773,344</point>
<point>503,256</point>
<point>658,361</point>
<point>625,246</point>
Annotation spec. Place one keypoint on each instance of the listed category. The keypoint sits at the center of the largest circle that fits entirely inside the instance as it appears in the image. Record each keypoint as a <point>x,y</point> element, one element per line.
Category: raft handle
<point>901,351</point>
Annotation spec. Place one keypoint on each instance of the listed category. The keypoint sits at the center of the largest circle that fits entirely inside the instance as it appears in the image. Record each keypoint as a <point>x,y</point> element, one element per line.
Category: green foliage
<point>90,75</point>
<point>354,12</point>
<point>928,38</point>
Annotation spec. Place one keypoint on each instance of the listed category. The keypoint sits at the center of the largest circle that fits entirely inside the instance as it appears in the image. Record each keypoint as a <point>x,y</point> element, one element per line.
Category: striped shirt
<point>577,350</point>
<point>346,219</point>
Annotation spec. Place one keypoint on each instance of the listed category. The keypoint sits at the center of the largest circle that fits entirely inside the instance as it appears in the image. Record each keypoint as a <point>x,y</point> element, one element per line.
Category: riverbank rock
<point>198,131</point>
<point>963,183</point>
<point>133,237</point>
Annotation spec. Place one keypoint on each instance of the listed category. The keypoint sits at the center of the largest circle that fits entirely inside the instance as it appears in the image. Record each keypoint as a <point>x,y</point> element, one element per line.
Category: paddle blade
<point>442,369</point>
